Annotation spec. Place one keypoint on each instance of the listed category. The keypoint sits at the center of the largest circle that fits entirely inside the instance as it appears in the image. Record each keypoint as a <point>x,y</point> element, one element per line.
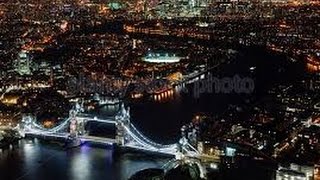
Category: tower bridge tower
<point>122,121</point>
<point>73,124</point>
<point>77,126</point>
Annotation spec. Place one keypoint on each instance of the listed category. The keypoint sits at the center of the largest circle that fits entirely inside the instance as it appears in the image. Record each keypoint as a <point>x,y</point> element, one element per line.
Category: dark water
<point>36,160</point>
<point>163,120</point>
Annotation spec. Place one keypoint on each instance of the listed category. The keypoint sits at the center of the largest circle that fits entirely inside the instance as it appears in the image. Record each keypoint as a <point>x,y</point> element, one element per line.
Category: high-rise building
<point>22,63</point>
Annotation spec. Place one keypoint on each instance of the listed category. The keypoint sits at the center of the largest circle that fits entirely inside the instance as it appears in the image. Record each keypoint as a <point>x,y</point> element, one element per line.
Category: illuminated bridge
<point>127,135</point>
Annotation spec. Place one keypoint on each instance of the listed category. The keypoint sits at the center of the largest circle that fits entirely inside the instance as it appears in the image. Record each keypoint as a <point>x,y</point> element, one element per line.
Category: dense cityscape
<point>185,89</point>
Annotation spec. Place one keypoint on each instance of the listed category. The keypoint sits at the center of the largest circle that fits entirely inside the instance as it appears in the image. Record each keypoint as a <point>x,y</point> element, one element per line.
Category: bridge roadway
<point>95,119</point>
<point>98,140</point>
<point>85,138</point>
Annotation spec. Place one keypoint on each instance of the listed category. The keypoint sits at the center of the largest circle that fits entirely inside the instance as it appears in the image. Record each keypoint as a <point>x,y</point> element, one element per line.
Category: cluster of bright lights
<point>161,58</point>
<point>15,87</point>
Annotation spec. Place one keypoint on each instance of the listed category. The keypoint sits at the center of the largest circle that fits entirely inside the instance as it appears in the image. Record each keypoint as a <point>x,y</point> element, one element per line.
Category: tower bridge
<point>127,135</point>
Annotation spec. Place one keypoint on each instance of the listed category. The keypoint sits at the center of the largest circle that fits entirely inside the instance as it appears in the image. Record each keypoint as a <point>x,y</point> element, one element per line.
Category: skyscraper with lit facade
<point>23,63</point>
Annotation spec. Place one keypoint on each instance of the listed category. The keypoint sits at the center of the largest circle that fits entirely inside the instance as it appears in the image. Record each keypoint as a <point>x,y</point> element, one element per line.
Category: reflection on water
<point>105,110</point>
<point>164,96</point>
<point>38,160</point>
<point>81,164</point>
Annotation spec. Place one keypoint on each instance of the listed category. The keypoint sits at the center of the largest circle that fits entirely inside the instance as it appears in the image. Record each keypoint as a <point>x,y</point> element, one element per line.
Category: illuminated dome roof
<point>161,58</point>
<point>115,5</point>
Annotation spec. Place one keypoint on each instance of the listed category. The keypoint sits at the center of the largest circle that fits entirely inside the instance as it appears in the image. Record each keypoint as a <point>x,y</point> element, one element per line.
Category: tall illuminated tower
<point>22,64</point>
<point>192,3</point>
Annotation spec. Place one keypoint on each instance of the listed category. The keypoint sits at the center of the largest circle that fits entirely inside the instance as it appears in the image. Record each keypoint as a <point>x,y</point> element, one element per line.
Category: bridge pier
<point>120,134</point>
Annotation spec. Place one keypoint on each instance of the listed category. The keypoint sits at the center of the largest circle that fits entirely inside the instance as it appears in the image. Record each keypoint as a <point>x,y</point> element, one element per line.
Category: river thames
<point>34,159</point>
